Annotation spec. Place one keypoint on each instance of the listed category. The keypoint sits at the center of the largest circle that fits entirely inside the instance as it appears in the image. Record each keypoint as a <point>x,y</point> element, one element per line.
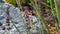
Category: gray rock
<point>15,16</point>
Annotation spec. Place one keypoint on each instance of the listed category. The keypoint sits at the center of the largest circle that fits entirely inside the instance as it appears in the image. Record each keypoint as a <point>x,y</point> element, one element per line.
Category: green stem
<point>57,12</point>
<point>16,28</point>
<point>35,6</point>
<point>53,14</point>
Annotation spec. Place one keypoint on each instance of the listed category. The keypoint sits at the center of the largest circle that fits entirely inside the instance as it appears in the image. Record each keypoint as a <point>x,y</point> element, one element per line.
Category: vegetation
<point>48,11</point>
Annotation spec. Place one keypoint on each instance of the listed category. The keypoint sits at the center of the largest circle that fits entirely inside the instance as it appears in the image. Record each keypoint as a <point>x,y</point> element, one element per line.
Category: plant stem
<point>56,9</point>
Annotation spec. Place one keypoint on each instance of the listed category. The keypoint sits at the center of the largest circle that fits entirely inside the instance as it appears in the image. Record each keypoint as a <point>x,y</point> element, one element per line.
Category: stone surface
<point>16,17</point>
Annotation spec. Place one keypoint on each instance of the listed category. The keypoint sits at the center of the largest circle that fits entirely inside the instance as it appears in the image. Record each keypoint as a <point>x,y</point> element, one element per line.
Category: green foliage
<point>53,4</point>
<point>13,2</point>
<point>24,2</point>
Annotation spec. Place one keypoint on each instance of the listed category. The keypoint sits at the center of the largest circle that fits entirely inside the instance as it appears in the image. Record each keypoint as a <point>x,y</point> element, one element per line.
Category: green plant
<point>51,5</point>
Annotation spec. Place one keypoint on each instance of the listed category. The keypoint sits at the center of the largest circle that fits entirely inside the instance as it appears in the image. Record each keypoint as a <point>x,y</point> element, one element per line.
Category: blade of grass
<point>16,27</point>
<point>54,15</point>
<point>35,6</point>
<point>57,12</point>
<point>19,4</point>
<point>36,12</point>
